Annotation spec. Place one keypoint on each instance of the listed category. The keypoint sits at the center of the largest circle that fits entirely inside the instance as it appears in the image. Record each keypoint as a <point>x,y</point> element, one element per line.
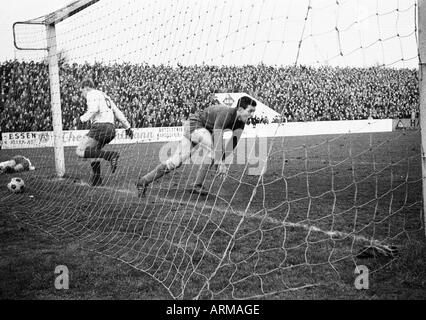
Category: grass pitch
<point>292,233</point>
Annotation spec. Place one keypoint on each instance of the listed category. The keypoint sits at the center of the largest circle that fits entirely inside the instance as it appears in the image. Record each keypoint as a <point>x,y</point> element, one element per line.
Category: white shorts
<point>184,151</point>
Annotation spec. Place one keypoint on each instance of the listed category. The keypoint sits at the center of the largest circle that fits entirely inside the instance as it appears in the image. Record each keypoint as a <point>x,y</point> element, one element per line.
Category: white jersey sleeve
<point>120,116</point>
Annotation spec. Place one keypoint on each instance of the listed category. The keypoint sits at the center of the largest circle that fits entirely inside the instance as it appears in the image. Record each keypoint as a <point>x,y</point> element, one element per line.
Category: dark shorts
<point>104,133</point>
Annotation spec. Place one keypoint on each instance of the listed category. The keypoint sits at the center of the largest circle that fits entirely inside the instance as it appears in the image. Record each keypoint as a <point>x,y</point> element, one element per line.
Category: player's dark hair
<point>245,101</point>
<point>87,82</point>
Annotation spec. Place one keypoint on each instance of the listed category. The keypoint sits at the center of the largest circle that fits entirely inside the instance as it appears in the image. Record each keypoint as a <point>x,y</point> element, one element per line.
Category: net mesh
<point>299,222</point>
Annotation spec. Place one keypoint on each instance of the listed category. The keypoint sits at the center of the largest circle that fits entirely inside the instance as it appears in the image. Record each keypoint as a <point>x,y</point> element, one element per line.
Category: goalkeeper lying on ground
<point>16,164</point>
<point>201,129</point>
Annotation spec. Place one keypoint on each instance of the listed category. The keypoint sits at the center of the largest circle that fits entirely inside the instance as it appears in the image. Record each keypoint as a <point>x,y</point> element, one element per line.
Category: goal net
<point>306,197</point>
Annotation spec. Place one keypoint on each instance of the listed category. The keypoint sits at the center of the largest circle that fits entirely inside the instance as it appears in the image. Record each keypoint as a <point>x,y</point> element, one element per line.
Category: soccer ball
<point>16,185</point>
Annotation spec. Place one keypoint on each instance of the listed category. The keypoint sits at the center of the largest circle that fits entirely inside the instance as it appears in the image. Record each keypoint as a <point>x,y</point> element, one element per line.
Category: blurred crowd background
<point>154,96</point>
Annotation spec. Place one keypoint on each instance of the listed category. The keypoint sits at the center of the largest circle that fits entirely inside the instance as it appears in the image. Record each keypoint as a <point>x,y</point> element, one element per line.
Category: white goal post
<point>422,92</point>
<point>50,21</point>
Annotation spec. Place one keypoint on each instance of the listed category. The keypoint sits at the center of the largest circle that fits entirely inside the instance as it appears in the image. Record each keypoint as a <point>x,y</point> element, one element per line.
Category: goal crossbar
<point>67,11</point>
<point>52,19</point>
<point>61,14</point>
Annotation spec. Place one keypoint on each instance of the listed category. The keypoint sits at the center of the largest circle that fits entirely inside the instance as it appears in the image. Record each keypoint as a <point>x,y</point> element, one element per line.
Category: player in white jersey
<point>101,111</point>
<point>16,164</point>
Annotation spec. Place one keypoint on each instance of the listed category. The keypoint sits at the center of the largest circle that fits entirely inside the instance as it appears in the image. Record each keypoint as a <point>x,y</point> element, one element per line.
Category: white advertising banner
<point>71,138</point>
<point>22,140</point>
<point>294,129</point>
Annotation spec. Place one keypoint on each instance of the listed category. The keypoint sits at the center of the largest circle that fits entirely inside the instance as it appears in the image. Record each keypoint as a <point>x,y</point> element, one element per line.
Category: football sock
<point>96,167</point>
<point>96,180</point>
<point>201,174</point>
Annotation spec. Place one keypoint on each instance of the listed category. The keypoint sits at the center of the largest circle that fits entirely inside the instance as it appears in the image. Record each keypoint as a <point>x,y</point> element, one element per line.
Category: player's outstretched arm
<point>222,168</point>
<point>224,120</point>
<point>123,120</point>
<point>236,136</point>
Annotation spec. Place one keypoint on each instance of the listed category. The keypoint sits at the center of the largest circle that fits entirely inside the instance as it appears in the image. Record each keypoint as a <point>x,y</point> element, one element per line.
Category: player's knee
<point>79,151</point>
<point>172,164</point>
<point>209,156</point>
<point>206,155</point>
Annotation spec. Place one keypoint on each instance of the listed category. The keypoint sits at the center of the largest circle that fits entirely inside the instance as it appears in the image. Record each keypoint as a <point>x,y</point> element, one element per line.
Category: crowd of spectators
<point>165,95</point>
<point>256,120</point>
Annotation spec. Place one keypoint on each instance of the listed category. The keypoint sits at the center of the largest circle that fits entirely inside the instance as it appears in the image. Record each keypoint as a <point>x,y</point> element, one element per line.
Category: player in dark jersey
<point>202,129</point>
